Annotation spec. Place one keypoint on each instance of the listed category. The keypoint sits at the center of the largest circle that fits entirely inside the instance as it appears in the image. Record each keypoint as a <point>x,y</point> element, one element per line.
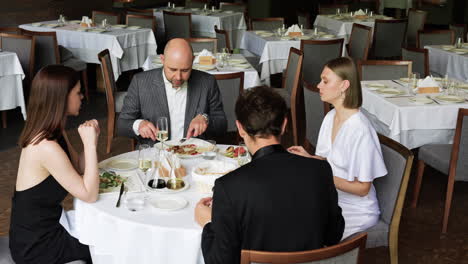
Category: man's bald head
<point>177,61</point>
<point>178,47</point>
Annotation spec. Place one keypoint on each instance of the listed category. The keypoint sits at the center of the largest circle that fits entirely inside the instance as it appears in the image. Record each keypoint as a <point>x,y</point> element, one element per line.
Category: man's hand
<point>203,211</point>
<point>147,130</point>
<point>197,127</point>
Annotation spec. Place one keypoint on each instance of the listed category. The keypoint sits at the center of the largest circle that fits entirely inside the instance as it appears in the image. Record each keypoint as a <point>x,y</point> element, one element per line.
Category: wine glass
<point>145,158</point>
<point>163,130</point>
<point>243,156</point>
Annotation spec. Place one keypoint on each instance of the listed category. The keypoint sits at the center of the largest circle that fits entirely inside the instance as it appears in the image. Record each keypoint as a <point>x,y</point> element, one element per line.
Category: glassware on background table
<point>451,89</point>
<point>459,43</point>
<point>163,130</point>
<point>211,153</point>
<point>444,84</point>
<point>243,157</point>
<point>145,161</point>
<point>338,12</point>
<point>220,60</point>
<point>413,82</point>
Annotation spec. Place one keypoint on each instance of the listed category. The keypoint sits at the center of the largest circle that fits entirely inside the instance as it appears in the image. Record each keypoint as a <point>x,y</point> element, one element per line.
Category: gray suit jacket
<point>146,99</point>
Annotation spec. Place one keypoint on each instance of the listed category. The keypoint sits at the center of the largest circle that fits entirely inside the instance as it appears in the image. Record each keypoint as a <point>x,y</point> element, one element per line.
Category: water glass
<point>243,158</point>
<point>459,43</point>
<point>451,88</point>
<point>413,82</point>
<point>338,12</point>
<point>210,154</point>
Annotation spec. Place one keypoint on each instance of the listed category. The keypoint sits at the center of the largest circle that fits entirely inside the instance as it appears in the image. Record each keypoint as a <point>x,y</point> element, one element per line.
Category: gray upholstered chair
<point>348,251</point>
<point>10,30</point>
<point>177,25</point>
<point>460,30</point>
<point>269,23</point>
<point>114,98</point>
<point>384,70</point>
<point>141,21</point>
<point>303,18</point>
<point>450,159</point>
<point>420,59</point>
<point>293,75</point>
<point>47,52</point>
<point>359,42</point>
<point>391,192</point>
<point>332,9</point>
<point>196,3</point>
<point>236,7</point>
<point>416,21</point>
<point>389,38</point>
<point>112,18</point>
<point>231,85</point>
<point>199,44</point>
<point>223,39</point>
<point>435,37</point>
<point>315,111</point>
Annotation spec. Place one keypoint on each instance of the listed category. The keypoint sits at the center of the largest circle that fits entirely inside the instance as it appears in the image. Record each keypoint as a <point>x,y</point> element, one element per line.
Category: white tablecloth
<point>128,48</point>
<point>251,78</point>
<point>442,62</point>
<point>340,28</point>
<point>117,235</point>
<point>408,123</point>
<point>11,85</point>
<point>203,25</point>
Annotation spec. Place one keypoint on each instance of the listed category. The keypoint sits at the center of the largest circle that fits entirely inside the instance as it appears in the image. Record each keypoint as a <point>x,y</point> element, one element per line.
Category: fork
<point>428,97</point>
<point>182,140</point>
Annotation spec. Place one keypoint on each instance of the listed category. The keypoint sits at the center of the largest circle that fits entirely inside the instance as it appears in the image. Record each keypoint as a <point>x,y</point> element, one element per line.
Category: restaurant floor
<point>419,236</point>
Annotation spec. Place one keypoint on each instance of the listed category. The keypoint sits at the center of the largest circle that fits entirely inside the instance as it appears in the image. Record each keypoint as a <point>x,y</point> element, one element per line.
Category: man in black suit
<point>277,202</point>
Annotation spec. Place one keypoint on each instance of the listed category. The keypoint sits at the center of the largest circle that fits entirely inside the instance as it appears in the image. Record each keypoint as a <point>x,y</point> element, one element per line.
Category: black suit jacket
<point>146,99</point>
<point>277,202</point>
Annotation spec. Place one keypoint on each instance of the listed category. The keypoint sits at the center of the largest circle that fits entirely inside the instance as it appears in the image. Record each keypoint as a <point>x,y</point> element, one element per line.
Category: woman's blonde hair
<point>345,68</point>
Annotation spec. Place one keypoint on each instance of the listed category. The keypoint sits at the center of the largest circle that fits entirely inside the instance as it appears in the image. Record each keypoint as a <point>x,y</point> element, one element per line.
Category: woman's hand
<point>299,150</point>
<point>89,132</point>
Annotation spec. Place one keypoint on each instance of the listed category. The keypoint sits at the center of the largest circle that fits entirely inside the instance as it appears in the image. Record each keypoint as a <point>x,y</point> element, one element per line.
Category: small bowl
<point>175,184</point>
<point>161,184</point>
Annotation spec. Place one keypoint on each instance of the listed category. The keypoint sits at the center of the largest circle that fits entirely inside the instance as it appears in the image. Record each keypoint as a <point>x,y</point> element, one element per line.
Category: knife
<point>122,187</point>
<point>398,83</point>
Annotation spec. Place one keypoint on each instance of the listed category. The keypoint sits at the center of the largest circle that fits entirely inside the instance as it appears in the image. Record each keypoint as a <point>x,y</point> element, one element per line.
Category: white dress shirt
<point>176,101</point>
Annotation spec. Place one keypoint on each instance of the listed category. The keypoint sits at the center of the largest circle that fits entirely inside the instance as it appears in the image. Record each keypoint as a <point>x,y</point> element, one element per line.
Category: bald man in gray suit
<point>190,99</point>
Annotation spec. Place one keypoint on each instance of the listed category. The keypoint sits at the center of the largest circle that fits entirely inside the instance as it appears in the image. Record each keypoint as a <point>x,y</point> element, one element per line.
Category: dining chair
<point>389,38</point>
<point>223,39</point>
<point>416,22</point>
<point>231,85</point>
<point>113,97</point>
<point>384,69</point>
<point>177,25</point>
<point>143,21</point>
<point>460,30</point>
<point>420,59</point>
<point>196,3</point>
<point>450,159</point>
<point>359,42</point>
<point>293,75</point>
<point>236,7</point>
<point>47,52</point>
<point>111,17</point>
<point>391,193</point>
<point>269,23</point>
<point>435,37</point>
<point>332,9</point>
<point>139,11</point>
<point>303,18</point>
<point>199,44</point>
<point>11,30</point>
<point>348,251</point>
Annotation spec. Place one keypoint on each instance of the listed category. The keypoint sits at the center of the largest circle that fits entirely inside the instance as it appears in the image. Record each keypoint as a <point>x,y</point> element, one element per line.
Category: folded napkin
<point>359,13</point>
<point>294,28</point>
<point>171,161</point>
<point>428,85</point>
<point>86,20</point>
<point>204,52</point>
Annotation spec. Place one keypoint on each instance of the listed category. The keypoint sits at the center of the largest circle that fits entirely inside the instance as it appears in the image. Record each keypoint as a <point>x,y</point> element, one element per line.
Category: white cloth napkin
<point>293,28</point>
<point>170,159</point>
<point>86,20</point>
<point>427,82</point>
<point>204,52</point>
<point>359,13</point>
<point>211,170</point>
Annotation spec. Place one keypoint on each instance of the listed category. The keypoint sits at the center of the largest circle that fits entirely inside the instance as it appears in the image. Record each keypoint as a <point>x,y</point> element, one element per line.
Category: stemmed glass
<point>163,131</point>
<point>145,160</point>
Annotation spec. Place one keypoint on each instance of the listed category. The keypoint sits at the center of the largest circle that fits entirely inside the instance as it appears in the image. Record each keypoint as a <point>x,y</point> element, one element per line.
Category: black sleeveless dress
<point>36,236</point>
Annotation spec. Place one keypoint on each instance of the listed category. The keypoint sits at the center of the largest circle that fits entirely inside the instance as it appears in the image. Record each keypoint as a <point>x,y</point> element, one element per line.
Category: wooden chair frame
<point>426,58</point>
<point>147,12</point>
<point>335,6</point>
<point>95,12</point>
<point>441,31</point>
<point>200,40</point>
<point>391,21</point>
<point>384,62</point>
<point>358,241</point>
<point>189,15</point>
<point>297,108</point>
<point>226,36</point>
<point>233,4</point>
<point>369,39</point>
<point>267,19</point>
<point>144,17</point>
<point>462,112</point>
<point>8,30</point>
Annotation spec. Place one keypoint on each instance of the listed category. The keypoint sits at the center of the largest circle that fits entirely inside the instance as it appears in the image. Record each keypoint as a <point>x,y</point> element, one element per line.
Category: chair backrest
<point>24,47</point>
<point>348,251</point>
<point>460,30</point>
<point>10,30</point>
<point>196,3</point>
<point>416,21</point>
<point>332,9</point>
<point>236,7</point>
<point>138,11</point>
<point>112,18</point>
<point>269,23</point>
<point>231,85</point>
<point>223,38</point>
<point>177,25</point>
<point>46,50</point>
<point>316,54</point>
<point>303,18</point>
<point>391,189</point>
<point>109,81</point>
<point>359,42</point>
<point>315,111</point>
<point>435,37</point>
<point>142,21</point>
<point>199,44</point>
<point>291,84</point>
<point>384,70</point>
<point>420,59</point>
<point>389,38</point>
<point>459,157</point>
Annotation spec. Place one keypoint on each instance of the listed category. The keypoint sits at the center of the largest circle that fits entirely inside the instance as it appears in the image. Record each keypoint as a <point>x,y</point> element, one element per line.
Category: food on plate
<point>234,152</point>
<point>189,149</point>
<point>109,179</point>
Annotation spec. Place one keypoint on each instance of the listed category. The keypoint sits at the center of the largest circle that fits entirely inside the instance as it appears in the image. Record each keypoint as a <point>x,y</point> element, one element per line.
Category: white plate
<point>168,203</point>
<point>228,11</point>
<point>304,37</point>
<point>195,9</point>
<point>421,100</point>
<point>134,27</point>
<point>463,86</point>
<point>121,164</point>
<point>260,31</point>
<point>404,79</point>
<point>240,66</point>
<point>81,29</point>
<point>238,61</point>
<point>97,30</point>
<point>285,38</point>
<point>447,47</point>
<point>36,24</point>
<point>390,91</point>
<point>460,51</point>
<point>168,191</point>
<point>265,35</point>
<point>450,99</point>
<point>328,36</point>
<point>75,21</point>
<point>51,25</point>
<point>376,85</point>
<point>201,146</point>
<point>119,26</point>
<point>204,67</point>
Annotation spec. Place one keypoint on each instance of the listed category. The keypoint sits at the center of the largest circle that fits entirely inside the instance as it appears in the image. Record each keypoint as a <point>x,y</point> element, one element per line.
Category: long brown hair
<point>48,104</point>
<point>346,69</point>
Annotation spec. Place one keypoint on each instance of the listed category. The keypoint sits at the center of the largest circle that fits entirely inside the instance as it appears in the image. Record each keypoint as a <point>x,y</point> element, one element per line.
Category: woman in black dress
<point>49,169</point>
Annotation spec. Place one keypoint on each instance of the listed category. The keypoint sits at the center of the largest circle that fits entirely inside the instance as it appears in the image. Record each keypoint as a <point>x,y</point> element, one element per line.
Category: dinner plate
<point>36,24</point>
<point>119,26</point>
<point>450,98</point>
<point>74,21</point>
<point>460,51</point>
<point>404,79</point>
<point>228,11</point>
<point>390,91</point>
<point>260,31</point>
<point>204,67</point>
<point>202,146</point>
<point>421,100</point>
<point>134,27</point>
<point>51,25</point>
<point>82,29</point>
<point>265,35</point>
<point>463,86</point>
<point>195,9</point>
<point>238,61</point>
<point>376,85</point>
<point>304,37</point>
<point>97,30</point>
<point>285,38</point>
<point>327,36</point>
<point>241,66</point>
<point>447,47</point>
<point>168,203</point>
<point>121,164</point>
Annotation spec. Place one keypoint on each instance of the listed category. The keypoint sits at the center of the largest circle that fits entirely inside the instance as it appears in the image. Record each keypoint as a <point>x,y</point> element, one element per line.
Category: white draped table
<point>341,27</point>
<point>444,62</point>
<point>410,124</point>
<point>11,84</point>
<point>128,48</point>
<point>251,78</point>
<point>148,236</point>
<point>203,23</point>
